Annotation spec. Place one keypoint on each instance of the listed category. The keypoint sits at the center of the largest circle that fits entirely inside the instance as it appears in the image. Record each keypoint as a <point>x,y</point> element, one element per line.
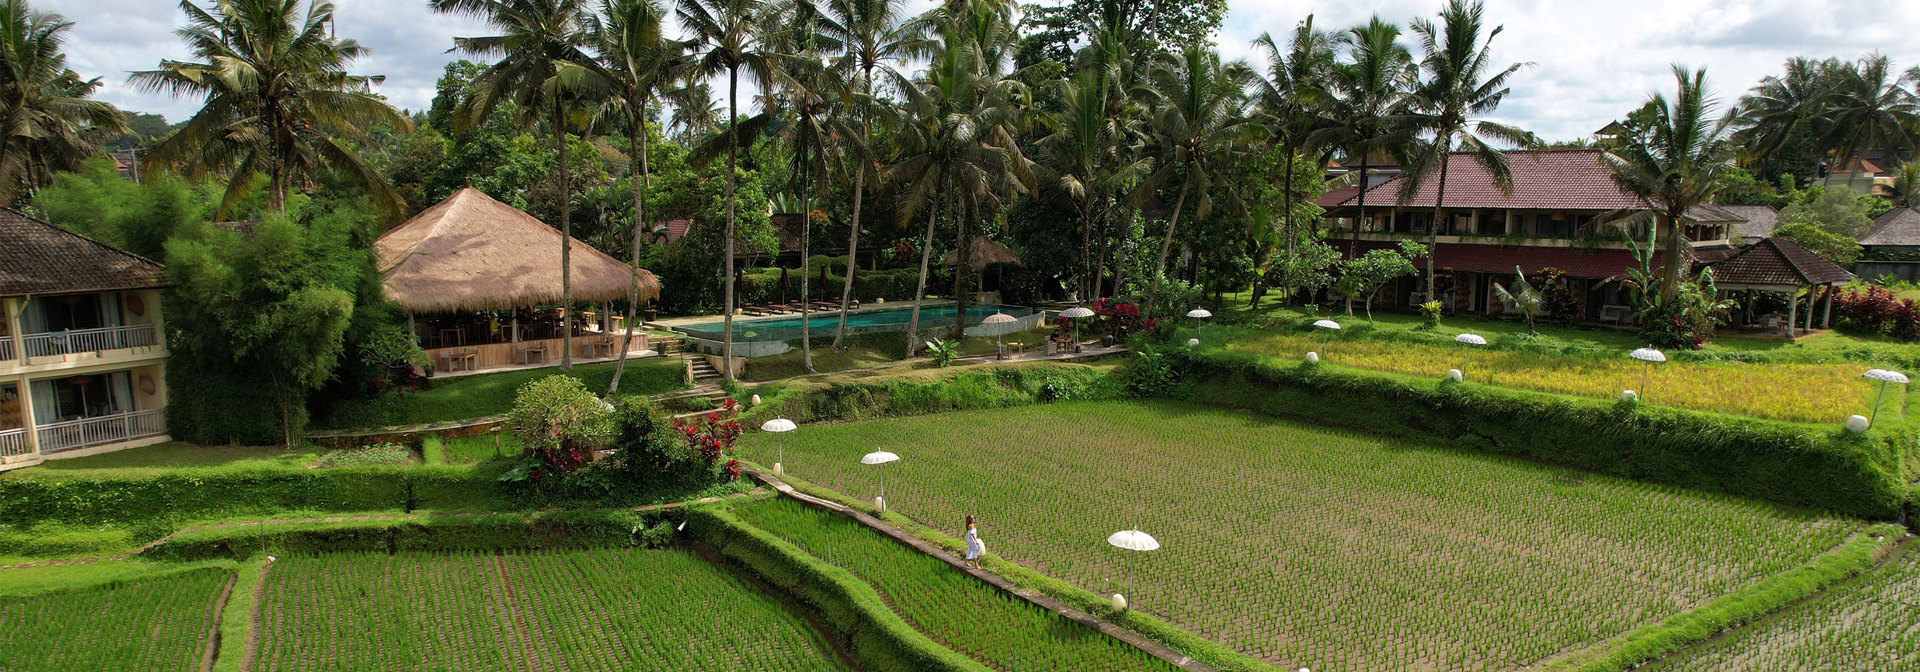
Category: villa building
<point>1563,212</point>
<point>83,354</point>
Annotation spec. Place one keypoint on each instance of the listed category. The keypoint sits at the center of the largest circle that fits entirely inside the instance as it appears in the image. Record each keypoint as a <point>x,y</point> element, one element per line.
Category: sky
<point>1592,60</point>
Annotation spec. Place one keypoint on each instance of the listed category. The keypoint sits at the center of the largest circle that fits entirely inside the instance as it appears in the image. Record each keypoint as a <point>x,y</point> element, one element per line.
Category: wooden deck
<point>488,357</point>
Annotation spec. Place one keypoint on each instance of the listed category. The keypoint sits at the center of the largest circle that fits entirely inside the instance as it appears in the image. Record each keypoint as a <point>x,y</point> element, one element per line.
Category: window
<point>84,396</point>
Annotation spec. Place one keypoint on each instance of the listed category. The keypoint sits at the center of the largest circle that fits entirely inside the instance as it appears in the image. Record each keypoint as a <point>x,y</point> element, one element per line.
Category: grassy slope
<point>956,610</point>
<point>491,394</point>
<point>1356,553</point>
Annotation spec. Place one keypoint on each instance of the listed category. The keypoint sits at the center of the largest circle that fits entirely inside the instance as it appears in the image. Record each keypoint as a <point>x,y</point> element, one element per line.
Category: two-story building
<point>1563,212</point>
<point>82,352</point>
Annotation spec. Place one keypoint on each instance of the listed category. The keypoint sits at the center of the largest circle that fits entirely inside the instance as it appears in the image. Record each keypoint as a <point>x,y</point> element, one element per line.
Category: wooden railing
<point>102,430</point>
<point>91,340</point>
<point>6,348</point>
<point>14,442</point>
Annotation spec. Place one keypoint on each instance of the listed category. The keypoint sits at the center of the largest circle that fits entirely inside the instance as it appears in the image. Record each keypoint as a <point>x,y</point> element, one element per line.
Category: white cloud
<point>1594,60</point>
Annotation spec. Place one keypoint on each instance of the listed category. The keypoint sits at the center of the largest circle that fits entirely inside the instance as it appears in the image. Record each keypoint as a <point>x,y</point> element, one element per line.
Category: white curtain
<point>33,319</point>
<point>43,406</point>
<point>110,309</point>
<point>120,384</point>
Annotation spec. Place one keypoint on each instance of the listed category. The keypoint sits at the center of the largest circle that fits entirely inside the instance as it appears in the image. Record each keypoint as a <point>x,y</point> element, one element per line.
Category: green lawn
<point>492,394</point>
<point>864,351</point>
<point>176,454</point>
<point>1316,547</point>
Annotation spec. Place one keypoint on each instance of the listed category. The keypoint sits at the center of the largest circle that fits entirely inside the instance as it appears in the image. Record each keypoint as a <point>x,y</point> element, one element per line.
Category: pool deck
<point>670,324</point>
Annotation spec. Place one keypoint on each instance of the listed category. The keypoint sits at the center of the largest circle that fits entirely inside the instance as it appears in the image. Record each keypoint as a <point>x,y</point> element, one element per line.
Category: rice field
<point>1315,547</point>
<point>163,623</point>
<point>591,610</point>
<point>1822,393</point>
<point>963,613</point>
<point>1872,623</point>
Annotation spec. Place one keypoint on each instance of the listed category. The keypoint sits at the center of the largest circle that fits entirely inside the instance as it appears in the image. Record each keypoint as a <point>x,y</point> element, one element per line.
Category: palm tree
<point>730,31</point>
<point>1197,126</point>
<point>874,36</point>
<point>1783,106</point>
<point>276,98</point>
<point>956,148</point>
<point>1673,153</point>
<point>1366,101</point>
<point>694,111</point>
<point>1530,302</point>
<point>1459,82</point>
<point>1086,147</point>
<point>1872,108</point>
<point>1117,51</point>
<point>635,62</point>
<point>1905,190</point>
<point>1292,101</point>
<point>538,40</point>
<point>47,122</point>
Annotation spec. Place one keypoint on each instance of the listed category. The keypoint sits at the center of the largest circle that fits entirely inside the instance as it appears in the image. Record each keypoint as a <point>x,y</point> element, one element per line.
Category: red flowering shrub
<point>1120,318</point>
<point>712,437</point>
<point>1878,311</point>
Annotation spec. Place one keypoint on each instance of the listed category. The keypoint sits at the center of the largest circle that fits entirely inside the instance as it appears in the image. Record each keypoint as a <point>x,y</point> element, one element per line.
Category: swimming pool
<point>756,330</point>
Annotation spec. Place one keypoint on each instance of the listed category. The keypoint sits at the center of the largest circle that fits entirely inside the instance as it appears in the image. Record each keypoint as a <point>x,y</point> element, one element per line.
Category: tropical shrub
<point>1877,311</point>
<point>560,423</point>
<point>943,352</point>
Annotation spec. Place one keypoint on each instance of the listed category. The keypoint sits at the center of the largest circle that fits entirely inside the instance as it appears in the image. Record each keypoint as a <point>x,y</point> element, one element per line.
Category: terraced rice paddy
<point>1872,623</point>
<point>163,623</point>
<point>1794,392</point>
<point>963,613</point>
<point>1314,547</point>
<point>592,610</point>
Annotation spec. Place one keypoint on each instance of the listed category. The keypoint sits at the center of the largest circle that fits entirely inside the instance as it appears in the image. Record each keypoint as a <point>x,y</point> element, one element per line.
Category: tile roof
<point>1499,259</point>
<point>1334,197</point>
<point>1899,226</point>
<point>1709,213</point>
<point>1561,179</point>
<point>1760,220</point>
<point>37,257</point>
<point>1777,261</point>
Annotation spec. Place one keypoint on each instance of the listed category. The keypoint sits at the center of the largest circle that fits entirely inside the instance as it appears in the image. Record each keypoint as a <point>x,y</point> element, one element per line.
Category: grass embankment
<point>963,613</point>
<point>867,351</point>
<point>485,394</point>
<point>1359,552</point>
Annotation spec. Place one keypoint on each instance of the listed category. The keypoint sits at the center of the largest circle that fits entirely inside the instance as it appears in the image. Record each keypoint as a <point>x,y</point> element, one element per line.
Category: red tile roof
<point>1561,179</point>
<point>1335,197</point>
<point>1496,259</point>
<point>1777,261</point>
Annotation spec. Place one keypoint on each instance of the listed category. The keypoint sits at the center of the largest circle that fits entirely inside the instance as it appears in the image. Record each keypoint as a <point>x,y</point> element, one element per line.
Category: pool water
<point>858,322</point>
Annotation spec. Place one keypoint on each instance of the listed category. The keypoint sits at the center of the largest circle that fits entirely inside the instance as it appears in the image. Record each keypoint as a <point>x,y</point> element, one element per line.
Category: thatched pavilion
<point>986,253</point>
<point>480,281</point>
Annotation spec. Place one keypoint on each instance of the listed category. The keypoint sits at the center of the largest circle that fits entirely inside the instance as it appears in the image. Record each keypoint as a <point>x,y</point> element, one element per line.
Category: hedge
<point>1630,649</point>
<point>1787,463</point>
<point>591,528</point>
<point>875,636</point>
<point>135,496</point>
<point>998,387</point>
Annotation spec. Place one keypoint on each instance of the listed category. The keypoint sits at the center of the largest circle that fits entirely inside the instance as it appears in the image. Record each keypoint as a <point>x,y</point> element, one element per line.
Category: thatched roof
<point>471,252</point>
<point>985,253</point>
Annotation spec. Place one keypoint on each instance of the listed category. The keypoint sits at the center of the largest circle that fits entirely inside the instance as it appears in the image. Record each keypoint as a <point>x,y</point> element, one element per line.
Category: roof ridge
<point>82,236</point>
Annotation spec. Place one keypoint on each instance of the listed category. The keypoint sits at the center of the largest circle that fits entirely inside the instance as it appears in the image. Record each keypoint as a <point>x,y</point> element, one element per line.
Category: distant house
<point>1758,221</point>
<point>83,355</point>
<point>1892,246</point>
<point>1867,175</point>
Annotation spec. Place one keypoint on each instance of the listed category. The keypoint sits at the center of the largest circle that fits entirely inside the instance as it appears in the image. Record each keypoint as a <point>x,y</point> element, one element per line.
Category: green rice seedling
<point>965,614</point>
<point>163,623</point>
<point>1311,546</point>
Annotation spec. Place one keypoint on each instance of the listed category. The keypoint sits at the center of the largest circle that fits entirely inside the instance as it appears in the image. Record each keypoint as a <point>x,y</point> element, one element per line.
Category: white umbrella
<point>880,457</point>
<point>1075,313</point>
<point>1469,339</point>
<point>778,426</point>
<point>1329,325</point>
<point>1884,376</point>
<point>998,318</point>
<point>1199,315</point>
<point>1131,540</point>
<point>1648,355</point>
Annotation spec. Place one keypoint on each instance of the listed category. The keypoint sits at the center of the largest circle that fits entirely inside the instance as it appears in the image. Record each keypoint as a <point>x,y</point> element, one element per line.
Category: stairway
<point>703,372</point>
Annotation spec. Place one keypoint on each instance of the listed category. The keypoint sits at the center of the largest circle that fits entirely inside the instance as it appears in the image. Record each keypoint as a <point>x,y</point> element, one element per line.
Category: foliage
<point>1679,312</point>
<point>1878,311</point>
<point>1834,247</point>
<point>379,453</point>
<point>972,617</point>
<point>89,627</point>
<point>1004,386</point>
<point>1837,211</point>
<point>275,98</point>
<point>662,608</point>
<point>1431,311</point>
<point>560,423</point>
<point>943,352</point>
<point>1592,541</point>
<point>52,122</point>
<point>259,319</point>
<point>1363,277</point>
<point>1523,298</point>
<point>137,217</point>
<point>1672,152</point>
<point>709,438</point>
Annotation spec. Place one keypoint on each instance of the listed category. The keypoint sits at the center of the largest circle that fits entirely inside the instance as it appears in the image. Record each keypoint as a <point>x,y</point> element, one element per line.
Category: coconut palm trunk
<point>853,238</point>
<point>566,237</point>
<point>1433,232</point>
<point>642,182</point>
<point>733,149</point>
<point>920,291</point>
<point>1166,241</point>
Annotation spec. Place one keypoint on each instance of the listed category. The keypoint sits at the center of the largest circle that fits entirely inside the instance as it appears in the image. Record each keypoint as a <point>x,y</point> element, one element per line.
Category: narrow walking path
<point>1035,597</point>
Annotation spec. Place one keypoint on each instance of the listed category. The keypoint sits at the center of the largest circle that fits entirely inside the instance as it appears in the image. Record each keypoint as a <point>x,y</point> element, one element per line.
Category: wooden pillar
<point>26,413</point>
<point>1826,314</point>
<point>12,308</point>
<point>1813,296</point>
<point>1793,310</point>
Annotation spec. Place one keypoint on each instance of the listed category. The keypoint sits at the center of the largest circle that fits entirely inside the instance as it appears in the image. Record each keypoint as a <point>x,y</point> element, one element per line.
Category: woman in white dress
<point>975,547</point>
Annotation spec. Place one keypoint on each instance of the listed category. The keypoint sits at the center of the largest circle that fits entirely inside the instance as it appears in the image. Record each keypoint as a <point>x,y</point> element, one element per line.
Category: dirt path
<point>218,607</point>
<point>515,618</point>
<point>256,621</point>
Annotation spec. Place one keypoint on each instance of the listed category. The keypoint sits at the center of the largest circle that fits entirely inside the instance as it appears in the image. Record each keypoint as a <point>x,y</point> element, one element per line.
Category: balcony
<point>99,431</point>
<point>13,443</point>
<point>95,341</point>
<point>6,349</point>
